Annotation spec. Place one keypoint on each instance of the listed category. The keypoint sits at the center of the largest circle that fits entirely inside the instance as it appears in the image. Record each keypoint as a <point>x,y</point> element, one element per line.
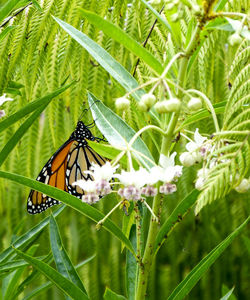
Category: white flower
<point>198,141</point>
<point>130,193</point>
<point>167,171</point>
<point>88,186</point>
<point>201,174</point>
<point>133,178</point>
<point>187,159</point>
<point>2,113</point>
<point>243,187</point>
<point>3,99</point>
<point>104,172</point>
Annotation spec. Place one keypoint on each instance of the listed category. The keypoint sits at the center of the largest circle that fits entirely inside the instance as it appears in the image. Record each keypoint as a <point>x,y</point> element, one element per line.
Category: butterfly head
<point>82,132</point>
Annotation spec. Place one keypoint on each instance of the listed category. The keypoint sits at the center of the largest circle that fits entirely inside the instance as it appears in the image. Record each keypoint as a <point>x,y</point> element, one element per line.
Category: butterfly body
<point>66,166</point>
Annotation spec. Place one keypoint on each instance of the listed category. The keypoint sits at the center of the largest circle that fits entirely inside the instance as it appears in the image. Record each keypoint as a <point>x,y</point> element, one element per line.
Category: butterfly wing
<point>65,167</point>
<point>80,158</point>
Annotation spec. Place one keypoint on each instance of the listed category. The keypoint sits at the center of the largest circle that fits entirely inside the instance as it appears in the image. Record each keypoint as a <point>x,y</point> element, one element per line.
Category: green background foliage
<point>40,56</point>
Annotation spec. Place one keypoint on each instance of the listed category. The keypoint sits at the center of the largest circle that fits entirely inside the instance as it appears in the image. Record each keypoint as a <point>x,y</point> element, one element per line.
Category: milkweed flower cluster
<point>202,149</point>
<point>135,184</point>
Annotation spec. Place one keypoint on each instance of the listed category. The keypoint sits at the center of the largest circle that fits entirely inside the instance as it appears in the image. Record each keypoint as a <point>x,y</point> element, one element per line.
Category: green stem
<point>148,256</point>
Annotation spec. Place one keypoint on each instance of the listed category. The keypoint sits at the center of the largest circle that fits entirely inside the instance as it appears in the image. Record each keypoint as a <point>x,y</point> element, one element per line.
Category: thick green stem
<point>148,256</point>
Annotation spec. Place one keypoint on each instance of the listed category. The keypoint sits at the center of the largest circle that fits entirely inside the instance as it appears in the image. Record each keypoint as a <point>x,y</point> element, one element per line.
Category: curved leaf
<point>117,132</point>
<point>61,282</point>
<point>71,201</point>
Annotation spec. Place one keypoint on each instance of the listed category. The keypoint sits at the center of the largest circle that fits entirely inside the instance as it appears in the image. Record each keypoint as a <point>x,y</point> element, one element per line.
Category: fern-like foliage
<point>233,153</point>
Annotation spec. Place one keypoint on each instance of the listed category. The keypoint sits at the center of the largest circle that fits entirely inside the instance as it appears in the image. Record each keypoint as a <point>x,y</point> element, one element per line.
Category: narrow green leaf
<point>219,108</point>
<point>49,284</point>
<point>61,282</point>
<point>7,8</point>
<point>28,236</point>
<point>85,209</point>
<point>110,295</point>
<point>116,70</point>
<point>31,106</point>
<point>13,141</point>
<point>62,260</point>
<point>11,282</point>
<point>157,15</point>
<point>220,5</point>
<point>108,151</point>
<point>15,264</point>
<point>131,268</point>
<point>6,30</point>
<point>174,218</point>
<point>117,132</point>
<point>194,276</point>
<point>123,38</point>
<point>228,294</point>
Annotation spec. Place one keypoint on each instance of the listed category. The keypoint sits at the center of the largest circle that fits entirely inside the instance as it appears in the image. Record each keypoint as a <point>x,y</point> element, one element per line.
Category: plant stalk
<point>148,256</point>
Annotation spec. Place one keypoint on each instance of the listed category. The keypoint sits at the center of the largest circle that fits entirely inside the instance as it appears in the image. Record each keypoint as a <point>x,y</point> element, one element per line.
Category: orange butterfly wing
<point>53,173</point>
<point>65,167</point>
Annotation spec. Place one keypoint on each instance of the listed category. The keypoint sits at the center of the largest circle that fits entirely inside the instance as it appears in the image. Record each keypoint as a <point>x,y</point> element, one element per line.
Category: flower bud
<point>2,113</point>
<point>122,103</point>
<point>172,105</point>
<point>187,159</point>
<point>148,99</point>
<point>159,107</point>
<point>143,107</point>
<point>243,186</point>
<point>196,10</point>
<point>170,6</point>
<point>194,104</point>
<point>235,39</point>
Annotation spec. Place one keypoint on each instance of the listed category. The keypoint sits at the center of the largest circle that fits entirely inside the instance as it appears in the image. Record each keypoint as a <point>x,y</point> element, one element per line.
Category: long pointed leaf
<point>85,209</point>
<point>172,220</point>
<point>31,107</point>
<point>117,132</point>
<point>194,276</point>
<point>123,38</point>
<point>62,260</point>
<point>29,235</point>
<point>61,282</point>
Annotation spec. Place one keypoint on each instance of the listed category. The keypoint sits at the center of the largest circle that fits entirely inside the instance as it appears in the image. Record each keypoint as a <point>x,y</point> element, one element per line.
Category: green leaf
<point>116,70</point>
<point>228,294</point>
<point>174,218</point>
<point>7,8</point>
<point>31,106</point>
<point>194,276</point>
<point>62,260</point>
<point>158,16</point>
<point>131,268</point>
<point>117,132</point>
<point>28,236</point>
<point>219,108</point>
<point>108,151</point>
<point>13,141</point>
<point>15,264</point>
<point>85,209</point>
<point>220,5</point>
<point>6,30</point>
<point>110,295</point>
<point>49,284</point>
<point>11,282</point>
<point>123,38</point>
<point>61,282</point>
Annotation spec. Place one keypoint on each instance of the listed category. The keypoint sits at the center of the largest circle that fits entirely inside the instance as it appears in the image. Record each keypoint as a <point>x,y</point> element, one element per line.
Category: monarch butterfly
<point>66,166</point>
